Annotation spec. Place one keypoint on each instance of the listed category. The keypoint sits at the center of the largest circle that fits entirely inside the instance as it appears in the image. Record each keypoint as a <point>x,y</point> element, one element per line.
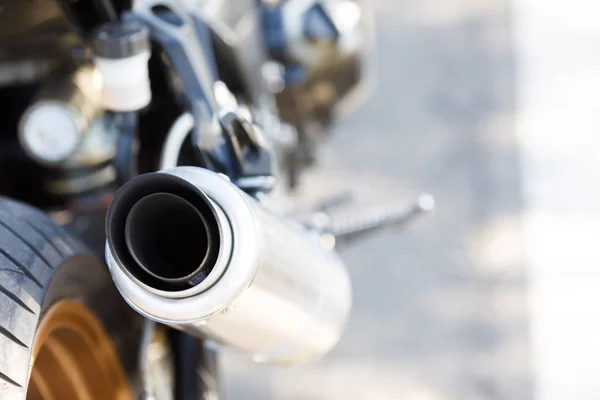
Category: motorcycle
<point>166,136</point>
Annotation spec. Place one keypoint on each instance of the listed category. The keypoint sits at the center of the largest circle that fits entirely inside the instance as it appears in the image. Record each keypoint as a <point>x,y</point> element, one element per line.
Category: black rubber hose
<point>187,360</point>
<point>126,160</point>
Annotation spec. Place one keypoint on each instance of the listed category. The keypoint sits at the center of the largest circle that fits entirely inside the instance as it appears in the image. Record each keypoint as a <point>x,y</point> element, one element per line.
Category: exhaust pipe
<point>187,248</point>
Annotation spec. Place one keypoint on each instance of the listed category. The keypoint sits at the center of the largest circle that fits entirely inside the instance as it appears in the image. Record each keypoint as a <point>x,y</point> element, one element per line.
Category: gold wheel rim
<point>74,358</point>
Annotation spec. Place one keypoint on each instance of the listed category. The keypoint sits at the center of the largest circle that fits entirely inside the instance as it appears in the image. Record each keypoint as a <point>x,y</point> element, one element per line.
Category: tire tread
<point>27,243</point>
<point>36,237</point>
<point>15,298</point>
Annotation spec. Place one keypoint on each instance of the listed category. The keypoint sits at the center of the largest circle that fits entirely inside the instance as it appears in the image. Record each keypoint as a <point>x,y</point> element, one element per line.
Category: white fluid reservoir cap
<point>122,51</point>
<point>50,132</point>
<point>126,82</point>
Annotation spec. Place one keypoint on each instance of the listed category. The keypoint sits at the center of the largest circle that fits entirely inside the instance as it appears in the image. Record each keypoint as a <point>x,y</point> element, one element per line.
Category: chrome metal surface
<point>103,176</point>
<point>352,227</point>
<point>146,375</point>
<point>99,144</point>
<point>54,125</point>
<point>319,31</point>
<point>176,136</point>
<point>281,296</point>
<point>89,167</point>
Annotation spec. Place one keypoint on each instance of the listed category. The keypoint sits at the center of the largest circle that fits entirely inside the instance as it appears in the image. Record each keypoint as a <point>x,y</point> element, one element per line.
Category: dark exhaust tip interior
<point>167,237</point>
<point>163,231</point>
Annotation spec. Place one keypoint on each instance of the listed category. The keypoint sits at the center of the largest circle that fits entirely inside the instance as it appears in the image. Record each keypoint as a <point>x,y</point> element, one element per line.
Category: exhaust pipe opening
<point>265,286</point>
<point>168,238</point>
<point>164,232</point>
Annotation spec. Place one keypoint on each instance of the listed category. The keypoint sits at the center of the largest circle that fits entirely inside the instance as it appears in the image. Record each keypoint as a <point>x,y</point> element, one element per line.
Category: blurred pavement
<point>494,107</point>
<point>440,307</point>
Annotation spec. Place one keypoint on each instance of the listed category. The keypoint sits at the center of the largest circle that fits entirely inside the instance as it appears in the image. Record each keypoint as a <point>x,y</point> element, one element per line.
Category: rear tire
<point>40,265</point>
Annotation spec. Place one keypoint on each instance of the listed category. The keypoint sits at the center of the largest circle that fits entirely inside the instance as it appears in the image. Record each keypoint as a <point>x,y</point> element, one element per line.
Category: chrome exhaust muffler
<point>187,248</point>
